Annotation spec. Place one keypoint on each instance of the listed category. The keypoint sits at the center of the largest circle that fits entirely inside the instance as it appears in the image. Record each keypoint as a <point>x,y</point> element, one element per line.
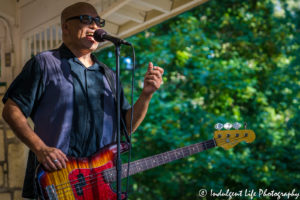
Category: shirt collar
<point>65,52</point>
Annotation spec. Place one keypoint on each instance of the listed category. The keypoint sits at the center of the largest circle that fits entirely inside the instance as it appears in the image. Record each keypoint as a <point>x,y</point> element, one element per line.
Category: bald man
<point>68,94</point>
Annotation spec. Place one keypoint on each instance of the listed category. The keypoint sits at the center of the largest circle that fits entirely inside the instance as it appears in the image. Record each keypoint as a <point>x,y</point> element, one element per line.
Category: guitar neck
<point>159,159</point>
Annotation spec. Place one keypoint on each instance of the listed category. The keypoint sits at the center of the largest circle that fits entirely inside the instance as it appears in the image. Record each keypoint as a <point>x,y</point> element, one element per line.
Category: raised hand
<point>152,79</point>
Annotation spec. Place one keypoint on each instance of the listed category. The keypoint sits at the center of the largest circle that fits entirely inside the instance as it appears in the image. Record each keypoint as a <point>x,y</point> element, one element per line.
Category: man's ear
<point>65,28</point>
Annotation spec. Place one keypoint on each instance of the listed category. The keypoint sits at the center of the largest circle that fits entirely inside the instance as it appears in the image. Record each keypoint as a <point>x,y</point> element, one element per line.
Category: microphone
<point>100,35</point>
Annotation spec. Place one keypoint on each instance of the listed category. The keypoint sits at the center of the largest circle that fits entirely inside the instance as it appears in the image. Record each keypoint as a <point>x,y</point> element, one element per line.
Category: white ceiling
<point>124,17</point>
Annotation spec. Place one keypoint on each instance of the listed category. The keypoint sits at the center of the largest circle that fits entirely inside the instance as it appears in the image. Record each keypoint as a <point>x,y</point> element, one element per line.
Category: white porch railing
<point>48,37</point>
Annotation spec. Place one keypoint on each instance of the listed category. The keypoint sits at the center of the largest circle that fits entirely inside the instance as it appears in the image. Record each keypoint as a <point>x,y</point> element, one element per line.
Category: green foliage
<point>227,60</point>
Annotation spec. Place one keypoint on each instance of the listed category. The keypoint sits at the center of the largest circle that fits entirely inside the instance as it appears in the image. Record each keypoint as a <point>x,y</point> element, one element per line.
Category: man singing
<point>68,94</point>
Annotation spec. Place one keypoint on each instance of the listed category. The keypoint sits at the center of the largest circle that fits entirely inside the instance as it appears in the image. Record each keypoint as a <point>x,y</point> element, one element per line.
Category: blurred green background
<point>224,61</point>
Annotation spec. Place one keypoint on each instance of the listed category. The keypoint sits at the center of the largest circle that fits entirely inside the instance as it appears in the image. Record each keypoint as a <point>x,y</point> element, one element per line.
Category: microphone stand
<point>100,35</point>
<point>119,162</point>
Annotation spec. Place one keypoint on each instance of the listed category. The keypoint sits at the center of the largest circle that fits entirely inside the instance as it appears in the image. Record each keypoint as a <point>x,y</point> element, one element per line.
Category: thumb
<point>150,66</point>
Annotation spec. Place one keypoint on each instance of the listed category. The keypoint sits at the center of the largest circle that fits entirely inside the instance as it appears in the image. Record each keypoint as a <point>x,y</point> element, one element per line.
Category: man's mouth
<point>89,34</point>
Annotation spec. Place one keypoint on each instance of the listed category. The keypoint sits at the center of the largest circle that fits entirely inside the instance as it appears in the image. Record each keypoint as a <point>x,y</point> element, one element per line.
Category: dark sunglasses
<point>86,19</point>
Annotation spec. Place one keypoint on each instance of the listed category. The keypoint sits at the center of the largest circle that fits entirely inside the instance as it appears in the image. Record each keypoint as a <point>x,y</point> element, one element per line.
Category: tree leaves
<point>227,60</point>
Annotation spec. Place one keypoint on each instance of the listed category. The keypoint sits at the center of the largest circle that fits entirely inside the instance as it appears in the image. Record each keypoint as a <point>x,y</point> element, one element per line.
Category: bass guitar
<point>90,178</point>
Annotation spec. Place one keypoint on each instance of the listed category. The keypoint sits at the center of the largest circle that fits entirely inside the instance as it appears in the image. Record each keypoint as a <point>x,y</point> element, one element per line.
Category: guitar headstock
<point>229,138</point>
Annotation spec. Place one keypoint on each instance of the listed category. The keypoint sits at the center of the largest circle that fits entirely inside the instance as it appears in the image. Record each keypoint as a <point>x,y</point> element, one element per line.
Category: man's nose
<point>94,25</point>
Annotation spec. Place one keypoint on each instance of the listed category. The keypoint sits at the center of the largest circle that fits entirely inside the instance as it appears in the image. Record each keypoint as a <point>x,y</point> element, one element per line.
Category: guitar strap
<point>111,81</point>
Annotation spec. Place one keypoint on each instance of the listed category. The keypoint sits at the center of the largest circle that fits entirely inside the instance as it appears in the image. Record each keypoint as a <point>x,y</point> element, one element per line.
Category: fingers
<point>150,66</point>
<point>52,158</point>
<point>152,79</point>
<point>153,83</point>
<point>63,159</point>
<point>156,77</point>
<point>161,70</point>
<point>52,164</point>
<point>46,166</point>
<point>152,69</point>
<point>156,71</point>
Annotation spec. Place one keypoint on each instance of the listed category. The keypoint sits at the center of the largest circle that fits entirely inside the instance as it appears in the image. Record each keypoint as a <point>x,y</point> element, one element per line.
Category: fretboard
<point>159,159</point>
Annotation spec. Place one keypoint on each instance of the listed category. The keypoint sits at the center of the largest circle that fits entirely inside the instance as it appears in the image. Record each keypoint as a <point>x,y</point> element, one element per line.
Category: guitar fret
<point>166,157</point>
<point>195,149</point>
<point>192,149</point>
<point>154,161</point>
<point>173,156</point>
<point>149,163</point>
<point>147,167</point>
<point>135,165</point>
<point>185,151</point>
<point>180,153</point>
<point>170,159</point>
<point>124,171</point>
<point>198,150</point>
<point>159,159</point>
<point>204,146</point>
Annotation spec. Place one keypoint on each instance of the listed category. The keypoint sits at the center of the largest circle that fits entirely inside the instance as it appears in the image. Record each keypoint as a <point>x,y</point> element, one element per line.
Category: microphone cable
<point>131,117</point>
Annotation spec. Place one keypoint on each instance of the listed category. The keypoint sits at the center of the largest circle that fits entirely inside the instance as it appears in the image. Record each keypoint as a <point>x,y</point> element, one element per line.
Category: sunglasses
<point>86,19</point>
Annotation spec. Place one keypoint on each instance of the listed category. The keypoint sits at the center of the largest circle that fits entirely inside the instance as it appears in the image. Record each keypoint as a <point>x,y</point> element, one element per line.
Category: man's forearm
<point>18,123</point>
<point>51,157</point>
<point>139,112</point>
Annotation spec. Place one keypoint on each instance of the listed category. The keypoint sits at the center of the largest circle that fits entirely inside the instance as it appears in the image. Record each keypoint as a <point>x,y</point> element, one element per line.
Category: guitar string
<point>92,185</point>
<point>112,169</point>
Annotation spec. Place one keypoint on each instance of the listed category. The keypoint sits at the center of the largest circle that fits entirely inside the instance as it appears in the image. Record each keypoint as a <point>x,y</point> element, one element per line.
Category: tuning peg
<point>237,125</point>
<point>227,126</point>
<point>245,125</point>
<point>218,126</point>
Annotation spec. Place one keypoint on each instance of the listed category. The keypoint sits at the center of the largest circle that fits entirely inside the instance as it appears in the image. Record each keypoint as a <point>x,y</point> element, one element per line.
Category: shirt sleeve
<point>26,89</point>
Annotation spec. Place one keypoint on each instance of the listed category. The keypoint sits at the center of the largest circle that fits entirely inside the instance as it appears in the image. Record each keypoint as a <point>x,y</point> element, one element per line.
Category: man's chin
<point>90,47</point>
